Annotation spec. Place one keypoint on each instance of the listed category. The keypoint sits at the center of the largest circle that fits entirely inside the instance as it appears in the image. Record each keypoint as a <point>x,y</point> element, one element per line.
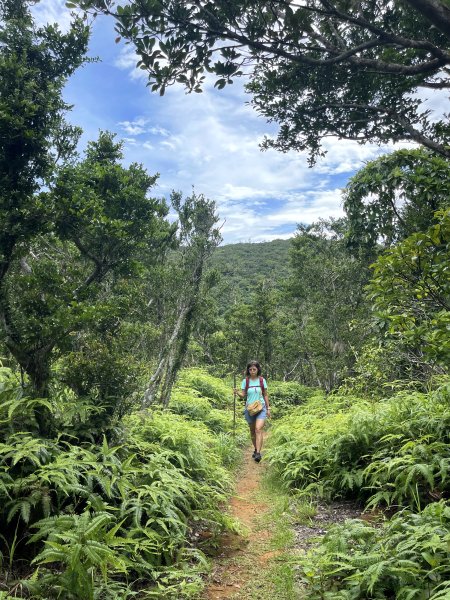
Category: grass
<point>266,567</point>
<point>303,510</point>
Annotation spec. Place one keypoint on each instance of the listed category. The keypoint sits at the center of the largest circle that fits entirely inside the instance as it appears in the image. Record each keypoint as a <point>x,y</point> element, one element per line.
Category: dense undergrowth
<point>124,517</point>
<point>114,519</point>
<point>391,456</point>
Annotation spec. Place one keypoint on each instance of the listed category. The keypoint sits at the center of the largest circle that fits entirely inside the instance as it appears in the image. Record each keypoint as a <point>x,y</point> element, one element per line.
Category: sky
<point>209,142</point>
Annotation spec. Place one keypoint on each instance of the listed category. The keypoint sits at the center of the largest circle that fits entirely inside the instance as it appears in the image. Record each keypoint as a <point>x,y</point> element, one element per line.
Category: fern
<point>78,543</point>
<point>389,561</point>
<point>375,574</point>
<point>97,514</point>
<point>442,592</point>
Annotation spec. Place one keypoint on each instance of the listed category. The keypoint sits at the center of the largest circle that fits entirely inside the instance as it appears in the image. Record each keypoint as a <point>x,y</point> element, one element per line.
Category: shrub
<point>392,452</point>
<point>406,558</point>
<point>289,393</point>
<point>190,403</point>
<point>97,517</point>
<point>189,445</point>
<point>194,405</point>
<point>208,386</point>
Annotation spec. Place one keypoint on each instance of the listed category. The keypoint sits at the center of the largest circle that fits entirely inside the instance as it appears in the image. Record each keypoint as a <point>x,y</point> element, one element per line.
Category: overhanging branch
<point>438,13</point>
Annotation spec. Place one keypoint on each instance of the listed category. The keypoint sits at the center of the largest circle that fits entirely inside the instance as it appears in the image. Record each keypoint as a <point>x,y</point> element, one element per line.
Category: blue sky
<point>209,141</point>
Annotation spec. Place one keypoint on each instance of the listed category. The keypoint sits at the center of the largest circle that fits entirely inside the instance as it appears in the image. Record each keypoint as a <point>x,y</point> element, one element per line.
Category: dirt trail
<point>247,505</point>
<point>241,559</point>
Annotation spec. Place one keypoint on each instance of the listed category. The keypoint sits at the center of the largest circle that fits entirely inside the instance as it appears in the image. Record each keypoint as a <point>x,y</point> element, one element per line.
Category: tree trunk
<point>437,12</point>
<point>35,363</point>
<point>176,360</point>
<point>151,392</point>
<point>197,221</point>
<point>314,370</point>
<point>37,366</point>
<point>38,371</point>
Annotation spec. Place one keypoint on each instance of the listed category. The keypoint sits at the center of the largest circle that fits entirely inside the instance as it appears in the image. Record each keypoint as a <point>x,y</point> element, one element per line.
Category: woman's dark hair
<point>253,363</point>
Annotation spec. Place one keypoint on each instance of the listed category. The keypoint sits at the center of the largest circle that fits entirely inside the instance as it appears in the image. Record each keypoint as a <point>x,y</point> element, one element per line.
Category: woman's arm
<point>240,392</point>
<point>266,400</point>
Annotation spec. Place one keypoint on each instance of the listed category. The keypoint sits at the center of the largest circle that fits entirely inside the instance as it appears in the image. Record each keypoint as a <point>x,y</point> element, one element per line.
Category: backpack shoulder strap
<point>247,384</point>
<point>261,383</point>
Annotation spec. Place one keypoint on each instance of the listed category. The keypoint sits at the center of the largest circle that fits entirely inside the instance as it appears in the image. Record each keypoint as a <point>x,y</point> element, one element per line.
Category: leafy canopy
<point>411,291</point>
<point>395,196</point>
<point>34,66</point>
<point>105,229</point>
<point>317,67</point>
<point>327,295</point>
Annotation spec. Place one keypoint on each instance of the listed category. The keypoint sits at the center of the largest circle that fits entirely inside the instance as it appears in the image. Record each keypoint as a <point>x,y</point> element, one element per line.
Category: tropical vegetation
<point>123,332</point>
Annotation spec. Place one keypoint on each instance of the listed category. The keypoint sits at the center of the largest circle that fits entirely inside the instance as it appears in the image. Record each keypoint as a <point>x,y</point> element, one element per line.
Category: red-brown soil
<point>247,505</point>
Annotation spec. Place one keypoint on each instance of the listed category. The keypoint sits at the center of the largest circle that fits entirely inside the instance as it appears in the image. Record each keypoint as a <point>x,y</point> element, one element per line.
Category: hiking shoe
<point>254,454</point>
<point>258,457</point>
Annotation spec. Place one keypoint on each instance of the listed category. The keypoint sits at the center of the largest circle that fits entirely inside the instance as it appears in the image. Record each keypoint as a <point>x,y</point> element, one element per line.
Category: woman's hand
<point>238,392</point>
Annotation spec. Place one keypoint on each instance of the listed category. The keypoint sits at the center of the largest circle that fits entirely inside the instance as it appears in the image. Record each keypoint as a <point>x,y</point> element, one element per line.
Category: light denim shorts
<point>261,415</point>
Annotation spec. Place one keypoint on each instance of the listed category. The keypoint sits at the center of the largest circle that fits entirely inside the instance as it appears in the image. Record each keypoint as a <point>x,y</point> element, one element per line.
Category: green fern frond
<point>23,507</point>
<point>413,473</point>
<point>375,574</point>
<point>367,560</point>
<point>97,522</point>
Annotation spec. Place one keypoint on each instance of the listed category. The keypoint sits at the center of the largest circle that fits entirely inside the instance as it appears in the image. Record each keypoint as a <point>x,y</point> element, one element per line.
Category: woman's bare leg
<point>259,425</point>
<point>253,433</point>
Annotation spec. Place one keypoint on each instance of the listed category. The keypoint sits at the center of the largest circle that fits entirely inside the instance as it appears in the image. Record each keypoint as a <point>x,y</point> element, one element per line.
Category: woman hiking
<point>253,388</point>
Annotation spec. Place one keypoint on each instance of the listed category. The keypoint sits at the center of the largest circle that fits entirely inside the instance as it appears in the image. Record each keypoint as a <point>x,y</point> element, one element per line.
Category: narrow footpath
<point>242,558</point>
<point>262,562</point>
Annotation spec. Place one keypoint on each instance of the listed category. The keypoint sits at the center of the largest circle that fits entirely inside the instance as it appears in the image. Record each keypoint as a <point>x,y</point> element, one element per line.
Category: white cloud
<point>309,207</point>
<point>127,60</point>
<point>52,11</point>
<point>244,222</point>
<point>435,101</point>
<point>345,156</point>
<point>159,131</point>
<point>135,127</point>
<point>131,129</point>
<point>129,140</point>
<point>211,140</point>
<point>141,125</point>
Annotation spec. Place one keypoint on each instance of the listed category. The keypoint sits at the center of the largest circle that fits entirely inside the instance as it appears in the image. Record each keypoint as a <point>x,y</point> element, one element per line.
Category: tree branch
<point>418,137</point>
<point>438,13</point>
<point>441,58</point>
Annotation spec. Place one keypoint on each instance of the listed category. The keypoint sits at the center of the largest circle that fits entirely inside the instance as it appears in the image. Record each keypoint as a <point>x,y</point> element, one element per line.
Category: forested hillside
<point>295,316</point>
<point>242,266</point>
<point>124,324</point>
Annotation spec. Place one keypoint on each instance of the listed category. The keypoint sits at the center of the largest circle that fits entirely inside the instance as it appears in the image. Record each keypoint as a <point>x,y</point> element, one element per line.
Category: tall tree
<point>345,68</point>
<point>410,291</point>
<point>327,293</point>
<point>250,326</point>
<point>104,226</point>
<point>394,196</point>
<point>34,66</point>
<point>197,238</point>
